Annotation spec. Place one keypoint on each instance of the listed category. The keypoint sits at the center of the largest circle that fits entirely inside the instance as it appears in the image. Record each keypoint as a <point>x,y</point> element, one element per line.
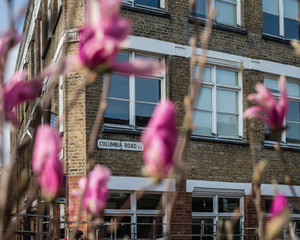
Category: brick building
<point>249,44</point>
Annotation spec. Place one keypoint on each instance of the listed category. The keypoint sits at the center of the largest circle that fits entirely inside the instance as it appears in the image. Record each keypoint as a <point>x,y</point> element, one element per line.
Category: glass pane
<point>294,111</point>
<point>271,6</point>
<point>227,77</point>
<point>143,113</point>
<point>202,121</point>
<point>227,101</point>
<point>201,9</point>
<point>119,86</point>
<point>296,226</point>
<point>149,3</point>
<point>200,204</point>
<point>117,112</point>
<point>227,205</point>
<point>123,57</point>
<point>204,99</point>
<point>123,229</point>
<point>293,133</point>
<point>202,229</point>
<point>293,89</point>
<point>150,202</point>
<point>291,29</point>
<point>206,74</point>
<point>118,200</point>
<point>294,207</point>
<point>227,125</point>
<point>236,230</point>
<point>147,90</point>
<point>270,24</point>
<point>226,13</point>
<point>290,8</point>
<point>149,227</point>
<point>268,203</point>
<point>272,84</point>
<point>268,135</point>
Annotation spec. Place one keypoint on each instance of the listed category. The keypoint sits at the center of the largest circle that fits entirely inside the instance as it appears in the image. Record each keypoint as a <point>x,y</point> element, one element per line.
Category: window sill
<point>121,131</point>
<point>145,10</point>
<point>218,25</point>
<point>286,147</point>
<point>220,140</point>
<point>276,38</point>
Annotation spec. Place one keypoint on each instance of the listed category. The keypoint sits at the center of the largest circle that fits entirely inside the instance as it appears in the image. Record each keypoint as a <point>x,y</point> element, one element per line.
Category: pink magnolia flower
<point>18,91</point>
<point>279,203</point>
<point>45,162</point>
<point>159,141</point>
<point>267,109</point>
<point>96,194</point>
<point>104,36</point>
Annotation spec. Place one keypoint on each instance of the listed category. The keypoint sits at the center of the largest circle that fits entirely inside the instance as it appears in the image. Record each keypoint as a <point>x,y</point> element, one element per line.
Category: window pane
<point>296,226</point>
<point>123,229</point>
<point>123,57</point>
<point>227,205</point>
<point>227,101</point>
<point>291,29</point>
<point>271,6</point>
<point>201,8</point>
<point>204,99</point>
<point>293,133</point>
<point>200,204</point>
<point>143,113</point>
<point>119,86</point>
<point>150,202</point>
<point>202,229</point>
<point>227,125</point>
<point>227,77</point>
<point>268,135</point>
<point>149,3</point>
<point>293,89</point>
<point>149,227</point>
<point>117,112</point>
<point>294,111</point>
<point>202,121</point>
<point>270,24</point>
<point>117,200</point>
<point>147,90</point>
<point>272,84</point>
<point>294,207</point>
<point>206,74</point>
<point>290,8</point>
<point>268,203</point>
<point>236,230</point>
<point>226,13</point>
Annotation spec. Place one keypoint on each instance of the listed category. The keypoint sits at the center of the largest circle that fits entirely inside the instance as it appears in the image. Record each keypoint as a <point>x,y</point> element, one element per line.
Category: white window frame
<point>283,135</point>
<point>214,86</point>
<point>132,3</point>
<point>281,19</point>
<point>61,104</point>
<point>238,11</point>
<point>132,101</point>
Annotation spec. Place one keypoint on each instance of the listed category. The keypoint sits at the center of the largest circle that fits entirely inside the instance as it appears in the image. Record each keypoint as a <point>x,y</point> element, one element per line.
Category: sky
<point>10,66</point>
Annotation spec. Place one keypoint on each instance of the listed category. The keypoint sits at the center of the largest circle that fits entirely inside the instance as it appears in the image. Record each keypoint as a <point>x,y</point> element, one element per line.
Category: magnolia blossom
<point>267,109</point>
<point>45,162</point>
<point>18,91</point>
<point>104,36</point>
<point>159,141</point>
<point>279,203</point>
<point>96,193</point>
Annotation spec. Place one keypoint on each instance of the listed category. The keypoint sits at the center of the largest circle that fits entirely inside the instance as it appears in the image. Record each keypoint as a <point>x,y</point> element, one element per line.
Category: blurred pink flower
<point>45,162</point>
<point>96,194</point>
<point>18,91</point>
<point>159,141</point>
<point>279,203</point>
<point>268,110</point>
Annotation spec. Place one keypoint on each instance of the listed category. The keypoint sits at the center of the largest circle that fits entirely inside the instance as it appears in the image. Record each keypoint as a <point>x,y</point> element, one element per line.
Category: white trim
<point>139,183</point>
<point>214,186</point>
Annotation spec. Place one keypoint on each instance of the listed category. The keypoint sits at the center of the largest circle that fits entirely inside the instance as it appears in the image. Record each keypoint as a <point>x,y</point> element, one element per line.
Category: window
<point>228,11</point>
<point>292,134</point>
<point>219,106</point>
<point>208,211</point>
<point>146,3</point>
<point>139,218</point>
<point>280,18</point>
<point>132,99</point>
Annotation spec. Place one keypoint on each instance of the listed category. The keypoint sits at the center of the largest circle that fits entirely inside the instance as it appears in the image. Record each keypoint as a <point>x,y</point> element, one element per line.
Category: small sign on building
<point>120,145</point>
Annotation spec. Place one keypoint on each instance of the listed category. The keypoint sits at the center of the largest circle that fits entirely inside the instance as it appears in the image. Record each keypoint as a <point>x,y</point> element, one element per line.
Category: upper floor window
<point>146,3</point>
<point>132,99</point>
<point>228,11</point>
<point>292,134</point>
<point>219,107</point>
<point>280,18</point>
